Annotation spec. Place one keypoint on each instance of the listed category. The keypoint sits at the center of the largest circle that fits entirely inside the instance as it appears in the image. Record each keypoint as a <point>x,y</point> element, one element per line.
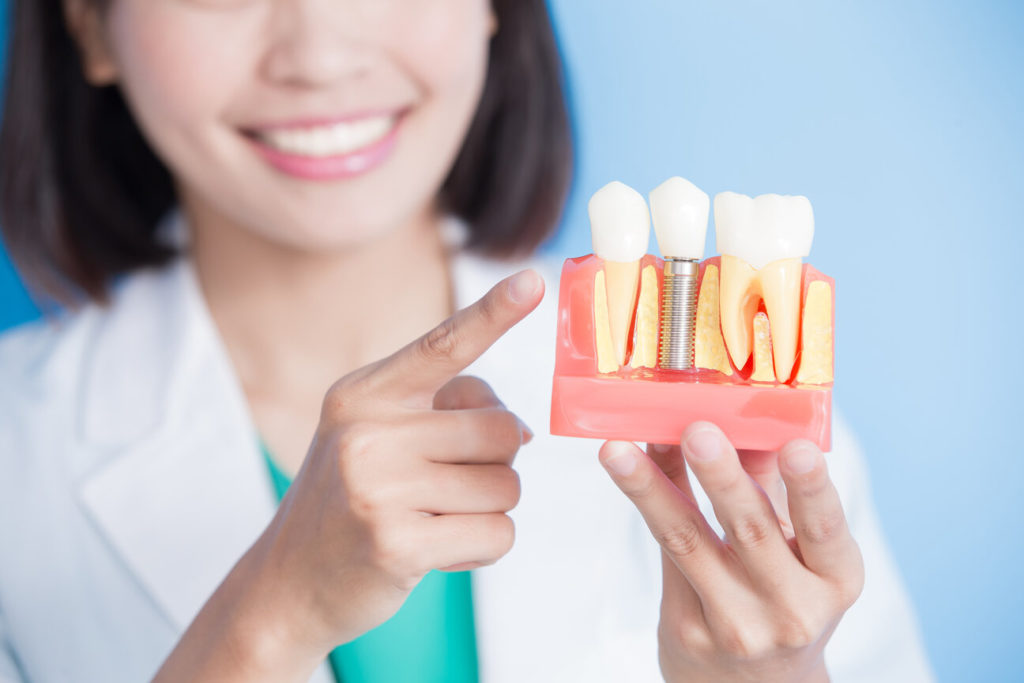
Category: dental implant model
<point>744,339</point>
<point>680,212</point>
<point>763,241</point>
<point>620,227</point>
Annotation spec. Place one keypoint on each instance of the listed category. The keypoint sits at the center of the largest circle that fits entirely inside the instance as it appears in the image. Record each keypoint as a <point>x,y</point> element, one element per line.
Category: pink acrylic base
<point>655,406</point>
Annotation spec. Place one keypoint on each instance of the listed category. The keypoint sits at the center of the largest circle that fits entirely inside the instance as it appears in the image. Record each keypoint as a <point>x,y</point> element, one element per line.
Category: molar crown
<point>765,228</point>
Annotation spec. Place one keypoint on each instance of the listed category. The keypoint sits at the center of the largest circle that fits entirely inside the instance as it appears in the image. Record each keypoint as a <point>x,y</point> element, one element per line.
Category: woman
<point>325,157</point>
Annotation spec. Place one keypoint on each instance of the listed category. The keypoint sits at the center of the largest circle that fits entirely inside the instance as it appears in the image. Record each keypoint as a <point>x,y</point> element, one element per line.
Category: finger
<point>447,541</point>
<point>422,367</point>
<point>464,489</point>
<point>465,392</point>
<point>763,468</point>
<point>824,539</point>
<point>743,509</point>
<point>673,518</point>
<point>669,460</point>
<point>482,435</point>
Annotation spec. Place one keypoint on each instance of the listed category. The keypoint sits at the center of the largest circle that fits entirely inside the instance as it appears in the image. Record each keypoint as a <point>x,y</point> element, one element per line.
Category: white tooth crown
<point>763,229</point>
<point>680,212</point>
<point>620,223</point>
<point>333,140</point>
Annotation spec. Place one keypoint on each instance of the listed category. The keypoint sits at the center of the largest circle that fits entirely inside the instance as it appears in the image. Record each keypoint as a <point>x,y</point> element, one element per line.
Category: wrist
<point>273,628</point>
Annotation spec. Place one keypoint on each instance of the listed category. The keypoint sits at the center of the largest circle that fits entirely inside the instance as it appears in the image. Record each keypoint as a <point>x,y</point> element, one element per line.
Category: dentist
<point>247,450</point>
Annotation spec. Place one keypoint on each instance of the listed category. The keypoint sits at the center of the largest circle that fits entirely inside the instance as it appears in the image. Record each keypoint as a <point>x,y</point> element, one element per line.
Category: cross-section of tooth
<point>645,340</point>
<point>763,371</point>
<point>816,336</point>
<point>620,227</point>
<point>762,241</point>
<point>708,346</point>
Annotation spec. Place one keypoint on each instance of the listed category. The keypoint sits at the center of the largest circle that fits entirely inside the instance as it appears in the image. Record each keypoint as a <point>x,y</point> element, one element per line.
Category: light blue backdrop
<point>901,121</point>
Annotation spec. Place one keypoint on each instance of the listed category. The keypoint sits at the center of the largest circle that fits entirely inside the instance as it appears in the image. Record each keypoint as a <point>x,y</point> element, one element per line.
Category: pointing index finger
<point>426,364</point>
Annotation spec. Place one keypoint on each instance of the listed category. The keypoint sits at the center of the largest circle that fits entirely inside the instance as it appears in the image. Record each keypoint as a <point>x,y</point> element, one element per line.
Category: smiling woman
<point>249,452</point>
<point>202,85</point>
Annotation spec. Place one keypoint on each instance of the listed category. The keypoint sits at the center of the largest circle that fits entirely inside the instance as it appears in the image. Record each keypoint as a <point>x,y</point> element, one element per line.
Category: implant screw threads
<point>678,314</point>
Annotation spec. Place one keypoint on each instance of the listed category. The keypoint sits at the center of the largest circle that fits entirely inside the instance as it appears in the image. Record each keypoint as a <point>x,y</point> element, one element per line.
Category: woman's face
<point>315,123</point>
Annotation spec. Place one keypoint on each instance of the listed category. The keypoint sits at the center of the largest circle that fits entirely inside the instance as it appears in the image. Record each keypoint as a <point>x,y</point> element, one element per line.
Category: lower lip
<point>338,167</point>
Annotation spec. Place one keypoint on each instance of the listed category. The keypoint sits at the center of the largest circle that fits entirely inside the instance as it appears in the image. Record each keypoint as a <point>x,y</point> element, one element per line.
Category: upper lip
<point>316,120</point>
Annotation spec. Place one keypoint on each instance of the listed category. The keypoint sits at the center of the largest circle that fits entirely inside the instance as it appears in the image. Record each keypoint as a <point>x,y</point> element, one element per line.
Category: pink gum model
<point>655,406</point>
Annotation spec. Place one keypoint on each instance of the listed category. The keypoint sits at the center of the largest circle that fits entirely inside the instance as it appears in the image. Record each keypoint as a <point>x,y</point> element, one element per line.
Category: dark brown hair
<point>81,191</point>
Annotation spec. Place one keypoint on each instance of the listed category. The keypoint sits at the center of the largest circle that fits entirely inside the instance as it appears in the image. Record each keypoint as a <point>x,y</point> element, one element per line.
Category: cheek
<point>177,67</point>
<point>444,46</point>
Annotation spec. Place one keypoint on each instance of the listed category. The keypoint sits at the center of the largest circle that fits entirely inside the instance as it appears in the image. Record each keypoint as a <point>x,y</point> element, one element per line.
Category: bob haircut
<point>82,192</point>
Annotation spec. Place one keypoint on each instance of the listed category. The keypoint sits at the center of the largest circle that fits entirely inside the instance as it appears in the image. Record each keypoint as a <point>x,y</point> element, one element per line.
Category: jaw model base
<point>655,406</point>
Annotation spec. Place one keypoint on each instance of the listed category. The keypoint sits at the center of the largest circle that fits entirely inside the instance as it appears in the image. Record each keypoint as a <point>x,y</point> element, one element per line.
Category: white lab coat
<point>131,481</point>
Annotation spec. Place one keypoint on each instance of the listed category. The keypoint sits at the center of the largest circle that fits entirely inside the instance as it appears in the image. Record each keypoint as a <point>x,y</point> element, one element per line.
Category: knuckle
<point>490,309</point>
<point>392,554</point>
<point>688,632</point>
<point>682,539</point>
<point>736,642</point>
<point>440,343</point>
<point>851,587</point>
<point>796,633</point>
<point>339,398</point>
<point>355,443</point>
<point>824,528</point>
<point>750,531</point>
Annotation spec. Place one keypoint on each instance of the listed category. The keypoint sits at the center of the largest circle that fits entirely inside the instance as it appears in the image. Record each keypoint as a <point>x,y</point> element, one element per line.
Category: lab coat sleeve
<point>878,638</point>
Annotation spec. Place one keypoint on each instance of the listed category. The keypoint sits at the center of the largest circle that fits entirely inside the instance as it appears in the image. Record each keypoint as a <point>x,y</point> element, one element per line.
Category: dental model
<point>744,339</point>
<point>680,211</point>
<point>763,242</point>
<point>620,228</point>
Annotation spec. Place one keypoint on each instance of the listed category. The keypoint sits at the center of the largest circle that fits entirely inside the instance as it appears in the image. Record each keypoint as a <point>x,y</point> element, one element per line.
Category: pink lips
<point>338,167</point>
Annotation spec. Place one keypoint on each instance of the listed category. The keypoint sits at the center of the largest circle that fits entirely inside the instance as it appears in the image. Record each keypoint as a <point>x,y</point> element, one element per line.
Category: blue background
<point>901,121</point>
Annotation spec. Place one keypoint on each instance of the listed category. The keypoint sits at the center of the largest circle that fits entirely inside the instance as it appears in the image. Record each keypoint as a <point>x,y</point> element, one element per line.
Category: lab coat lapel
<point>180,491</point>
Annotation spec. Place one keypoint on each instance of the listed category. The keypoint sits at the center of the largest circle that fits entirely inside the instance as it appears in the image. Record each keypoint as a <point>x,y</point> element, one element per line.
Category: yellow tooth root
<point>738,304</point>
<point>764,368</point>
<point>602,330</point>
<point>645,341</point>
<point>708,345</point>
<point>621,280</point>
<point>816,336</point>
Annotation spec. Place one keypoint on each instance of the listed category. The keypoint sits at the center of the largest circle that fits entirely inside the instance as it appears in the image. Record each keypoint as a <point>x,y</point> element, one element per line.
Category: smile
<point>328,151</point>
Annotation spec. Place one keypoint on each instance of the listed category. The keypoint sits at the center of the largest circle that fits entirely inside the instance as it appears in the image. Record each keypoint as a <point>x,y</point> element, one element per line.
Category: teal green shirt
<point>431,639</point>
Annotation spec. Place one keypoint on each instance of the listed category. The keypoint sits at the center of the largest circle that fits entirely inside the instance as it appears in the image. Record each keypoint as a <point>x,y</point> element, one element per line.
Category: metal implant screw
<point>678,314</point>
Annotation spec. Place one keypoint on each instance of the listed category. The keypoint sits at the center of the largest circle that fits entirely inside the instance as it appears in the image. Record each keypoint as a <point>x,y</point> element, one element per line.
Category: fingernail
<point>622,462</point>
<point>526,431</point>
<point>661,447</point>
<point>704,445</point>
<point>800,459</point>
<point>523,286</point>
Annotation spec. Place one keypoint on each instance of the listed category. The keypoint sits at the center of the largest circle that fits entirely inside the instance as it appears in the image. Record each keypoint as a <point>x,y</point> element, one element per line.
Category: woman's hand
<point>760,604</point>
<point>409,470</point>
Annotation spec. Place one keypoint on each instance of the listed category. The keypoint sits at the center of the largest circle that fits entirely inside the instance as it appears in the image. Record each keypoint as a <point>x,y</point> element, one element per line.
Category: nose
<point>317,42</point>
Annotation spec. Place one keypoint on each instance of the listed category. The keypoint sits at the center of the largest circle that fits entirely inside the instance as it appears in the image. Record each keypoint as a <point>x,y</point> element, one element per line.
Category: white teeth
<point>333,140</point>
<point>762,241</point>
<point>620,227</point>
<point>620,224</point>
<point>680,212</point>
<point>763,229</point>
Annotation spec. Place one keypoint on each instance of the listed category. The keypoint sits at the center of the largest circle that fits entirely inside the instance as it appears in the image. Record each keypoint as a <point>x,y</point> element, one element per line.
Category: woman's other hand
<point>409,471</point>
<point>761,603</point>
